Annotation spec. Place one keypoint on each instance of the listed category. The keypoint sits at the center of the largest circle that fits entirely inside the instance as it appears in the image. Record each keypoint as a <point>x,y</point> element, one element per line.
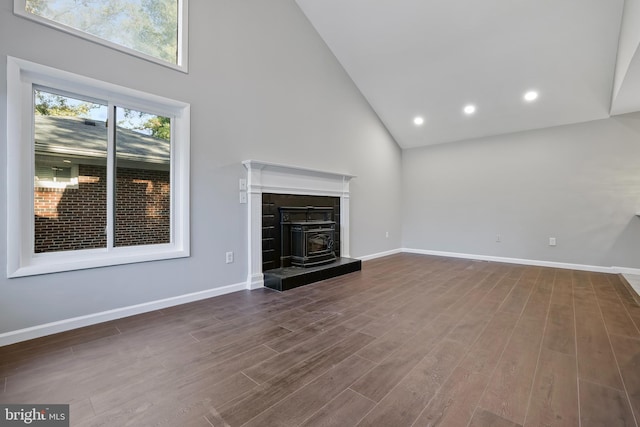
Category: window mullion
<point>28,151</point>
<point>111,169</point>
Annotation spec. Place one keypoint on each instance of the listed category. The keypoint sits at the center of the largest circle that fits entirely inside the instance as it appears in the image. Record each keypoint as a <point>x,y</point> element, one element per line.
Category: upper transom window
<point>155,30</point>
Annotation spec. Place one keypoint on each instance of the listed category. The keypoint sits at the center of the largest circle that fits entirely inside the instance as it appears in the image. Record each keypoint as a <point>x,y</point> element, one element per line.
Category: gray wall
<point>579,183</point>
<point>262,85</point>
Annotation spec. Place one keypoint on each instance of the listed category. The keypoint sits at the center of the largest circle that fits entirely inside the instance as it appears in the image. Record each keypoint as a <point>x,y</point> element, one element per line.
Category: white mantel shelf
<point>266,177</point>
<point>256,164</point>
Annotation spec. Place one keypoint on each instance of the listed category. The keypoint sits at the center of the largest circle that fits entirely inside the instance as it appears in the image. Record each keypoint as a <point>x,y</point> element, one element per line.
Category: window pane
<point>70,188</point>
<point>143,185</point>
<point>147,26</point>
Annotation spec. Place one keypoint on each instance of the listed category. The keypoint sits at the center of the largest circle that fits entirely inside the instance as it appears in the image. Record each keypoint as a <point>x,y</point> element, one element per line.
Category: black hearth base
<point>282,279</point>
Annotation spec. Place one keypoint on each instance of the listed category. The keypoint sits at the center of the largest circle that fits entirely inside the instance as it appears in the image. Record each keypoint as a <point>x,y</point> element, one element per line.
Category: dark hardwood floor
<point>410,340</point>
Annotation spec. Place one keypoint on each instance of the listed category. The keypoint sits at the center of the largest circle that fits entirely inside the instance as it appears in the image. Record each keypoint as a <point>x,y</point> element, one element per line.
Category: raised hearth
<point>282,279</point>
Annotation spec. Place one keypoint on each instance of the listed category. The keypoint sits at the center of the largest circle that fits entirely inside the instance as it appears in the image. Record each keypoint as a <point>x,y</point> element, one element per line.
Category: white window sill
<point>55,262</point>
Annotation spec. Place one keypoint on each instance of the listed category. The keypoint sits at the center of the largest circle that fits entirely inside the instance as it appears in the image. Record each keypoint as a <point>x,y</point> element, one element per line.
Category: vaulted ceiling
<point>431,58</point>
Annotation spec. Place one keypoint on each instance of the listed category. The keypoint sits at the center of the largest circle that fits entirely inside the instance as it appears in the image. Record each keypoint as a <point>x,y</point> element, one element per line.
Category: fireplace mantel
<point>264,177</point>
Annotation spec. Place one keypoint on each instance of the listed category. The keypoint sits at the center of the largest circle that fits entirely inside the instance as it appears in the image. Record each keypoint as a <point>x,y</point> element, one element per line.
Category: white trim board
<point>38,331</point>
<point>539,263</point>
<point>379,255</point>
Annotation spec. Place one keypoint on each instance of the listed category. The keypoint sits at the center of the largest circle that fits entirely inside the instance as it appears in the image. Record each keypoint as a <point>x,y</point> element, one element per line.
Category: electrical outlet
<point>243,197</point>
<point>552,241</point>
<point>243,184</point>
<point>229,257</point>
<point>498,238</point>
<point>386,234</point>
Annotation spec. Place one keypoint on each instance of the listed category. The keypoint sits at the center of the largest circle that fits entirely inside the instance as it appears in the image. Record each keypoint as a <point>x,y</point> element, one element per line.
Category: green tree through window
<point>147,26</point>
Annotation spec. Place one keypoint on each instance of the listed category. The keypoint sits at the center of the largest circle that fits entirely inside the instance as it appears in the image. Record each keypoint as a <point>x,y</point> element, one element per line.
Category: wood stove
<point>309,233</point>
<point>312,243</point>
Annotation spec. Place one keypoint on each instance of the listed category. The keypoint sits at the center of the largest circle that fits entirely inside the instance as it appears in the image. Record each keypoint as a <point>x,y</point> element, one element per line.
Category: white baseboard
<point>118,313</point>
<point>538,263</point>
<point>380,254</point>
<point>255,281</point>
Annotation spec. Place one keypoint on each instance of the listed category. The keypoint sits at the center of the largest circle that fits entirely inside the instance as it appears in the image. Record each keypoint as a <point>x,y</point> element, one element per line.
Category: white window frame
<point>182,64</point>
<point>21,258</point>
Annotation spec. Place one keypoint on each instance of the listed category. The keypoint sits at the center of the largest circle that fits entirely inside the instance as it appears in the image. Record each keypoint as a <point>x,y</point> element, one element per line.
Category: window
<point>106,168</point>
<point>155,30</point>
<point>55,176</point>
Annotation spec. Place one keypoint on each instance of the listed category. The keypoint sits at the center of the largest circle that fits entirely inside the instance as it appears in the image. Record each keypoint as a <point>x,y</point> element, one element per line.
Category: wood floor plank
<point>205,353</point>
<point>53,343</point>
<point>219,369</point>
<point>484,418</point>
<point>618,320</point>
<point>215,393</point>
<point>507,394</point>
<point>596,361</point>
<point>239,411</point>
<point>395,301</point>
<point>119,416</point>
<point>282,361</point>
<point>309,399</point>
<point>301,335</point>
<point>627,351</point>
<point>583,294</point>
<point>163,412</point>
<point>634,312</point>
<point>263,309</point>
<point>343,411</point>
<point>603,406</point>
<point>180,380</point>
<point>456,401</point>
<point>383,346</point>
<point>560,332</point>
<point>624,290</point>
<point>306,319</point>
<point>518,297</point>
<point>78,382</point>
<point>538,303</point>
<point>554,397</point>
<point>480,287</point>
<point>486,351</point>
<point>563,288</point>
<point>59,359</point>
<point>502,289</point>
<point>404,402</point>
<point>603,288</point>
<point>469,328</point>
<point>381,379</point>
<point>81,409</point>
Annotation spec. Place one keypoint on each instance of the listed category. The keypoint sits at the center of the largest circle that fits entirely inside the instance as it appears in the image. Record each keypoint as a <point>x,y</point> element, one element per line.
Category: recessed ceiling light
<point>532,95</point>
<point>469,109</point>
<point>418,121</point>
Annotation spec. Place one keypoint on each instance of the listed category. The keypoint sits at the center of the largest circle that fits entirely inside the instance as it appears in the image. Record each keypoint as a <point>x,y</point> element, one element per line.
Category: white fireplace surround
<point>264,177</point>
